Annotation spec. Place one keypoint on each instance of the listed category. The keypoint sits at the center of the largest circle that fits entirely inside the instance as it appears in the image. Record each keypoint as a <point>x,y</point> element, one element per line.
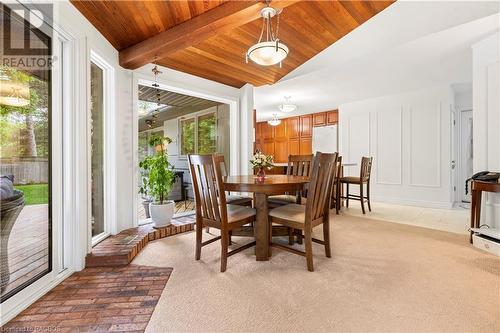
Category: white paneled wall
<point>486,115</point>
<point>408,136</point>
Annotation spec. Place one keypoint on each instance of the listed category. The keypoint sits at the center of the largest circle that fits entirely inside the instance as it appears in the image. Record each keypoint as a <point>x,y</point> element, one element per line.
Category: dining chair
<point>337,188</point>
<point>231,199</point>
<point>212,209</point>
<point>298,165</point>
<point>313,213</point>
<point>364,178</point>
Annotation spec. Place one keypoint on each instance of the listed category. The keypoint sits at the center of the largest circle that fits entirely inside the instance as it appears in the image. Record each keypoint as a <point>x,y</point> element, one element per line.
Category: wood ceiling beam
<point>223,18</point>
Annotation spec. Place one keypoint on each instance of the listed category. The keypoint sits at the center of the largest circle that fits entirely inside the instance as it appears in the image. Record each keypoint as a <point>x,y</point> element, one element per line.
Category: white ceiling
<point>408,46</point>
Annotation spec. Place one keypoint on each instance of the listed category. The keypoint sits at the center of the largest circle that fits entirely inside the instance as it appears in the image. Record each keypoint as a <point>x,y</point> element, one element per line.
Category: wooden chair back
<point>223,167</point>
<point>299,165</point>
<point>366,168</point>
<point>210,197</point>
<point>320,187</point>
<point>338,169</point>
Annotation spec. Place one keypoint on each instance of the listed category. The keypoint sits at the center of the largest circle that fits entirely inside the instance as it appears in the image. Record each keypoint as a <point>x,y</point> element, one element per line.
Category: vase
<point>261,173</point>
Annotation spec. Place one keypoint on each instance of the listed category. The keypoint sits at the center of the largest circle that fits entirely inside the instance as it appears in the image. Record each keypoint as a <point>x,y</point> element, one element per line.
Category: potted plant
<point>159,178</point>
<point>143,190</point>
<point>261,161</point>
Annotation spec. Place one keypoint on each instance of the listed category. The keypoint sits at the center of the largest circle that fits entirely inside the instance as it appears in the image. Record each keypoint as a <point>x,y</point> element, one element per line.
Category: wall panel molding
<point>391,122</point>
<point>420,160</point>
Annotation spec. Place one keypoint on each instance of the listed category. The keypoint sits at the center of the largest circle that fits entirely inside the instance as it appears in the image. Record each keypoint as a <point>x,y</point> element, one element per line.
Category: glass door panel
<point>25,166</point>
<point>97,152</point>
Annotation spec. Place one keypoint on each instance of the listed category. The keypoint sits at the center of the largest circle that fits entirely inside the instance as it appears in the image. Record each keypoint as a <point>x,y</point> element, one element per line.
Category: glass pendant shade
<point>268,53</point>
<point>14,94</point>
<point>287,107</point>
<point>275,121</point>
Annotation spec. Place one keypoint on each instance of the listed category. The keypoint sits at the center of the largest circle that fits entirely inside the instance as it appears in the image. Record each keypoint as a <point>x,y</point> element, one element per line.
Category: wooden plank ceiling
<point>210,38</point>
<point>176,105</point>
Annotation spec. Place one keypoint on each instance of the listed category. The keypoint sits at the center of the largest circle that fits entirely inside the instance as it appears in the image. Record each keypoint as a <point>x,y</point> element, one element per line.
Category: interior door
<point>466,152</point>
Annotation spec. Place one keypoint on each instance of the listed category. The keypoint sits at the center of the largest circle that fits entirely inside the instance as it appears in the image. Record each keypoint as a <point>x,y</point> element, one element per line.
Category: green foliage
<point>34,194</point>
<point>13,134</point>
<point>158,174</point>
<point>207,129</point>
<point>187,136</point>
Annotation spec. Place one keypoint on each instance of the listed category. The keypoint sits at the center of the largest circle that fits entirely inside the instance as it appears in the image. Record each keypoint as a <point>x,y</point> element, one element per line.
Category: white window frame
<point>196,116</point>
<point>109,167</point>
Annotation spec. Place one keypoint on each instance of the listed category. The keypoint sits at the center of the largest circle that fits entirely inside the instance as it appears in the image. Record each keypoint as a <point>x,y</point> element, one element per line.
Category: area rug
<point>96,300</point>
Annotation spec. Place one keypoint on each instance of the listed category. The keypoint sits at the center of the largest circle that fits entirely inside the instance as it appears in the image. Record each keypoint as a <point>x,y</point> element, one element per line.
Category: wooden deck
<point>28,245</point>
<point>28,242</point>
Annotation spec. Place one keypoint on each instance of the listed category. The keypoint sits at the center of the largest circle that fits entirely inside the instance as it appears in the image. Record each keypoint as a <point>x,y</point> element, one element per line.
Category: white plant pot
<point>162,214</point>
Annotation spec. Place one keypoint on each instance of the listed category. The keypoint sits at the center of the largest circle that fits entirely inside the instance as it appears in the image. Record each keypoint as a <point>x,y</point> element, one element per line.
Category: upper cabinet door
<point>267,132</point>
<point>319,119</point>
<point>293,127</point>
<point>306,125</point>
<point>332,117</point>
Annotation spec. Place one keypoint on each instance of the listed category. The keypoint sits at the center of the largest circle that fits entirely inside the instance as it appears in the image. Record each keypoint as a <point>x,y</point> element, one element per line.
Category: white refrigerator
<point>325,139</point>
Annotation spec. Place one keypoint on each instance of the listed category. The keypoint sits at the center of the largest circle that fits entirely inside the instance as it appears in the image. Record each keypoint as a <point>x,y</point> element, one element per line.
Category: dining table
<point>262,188</point>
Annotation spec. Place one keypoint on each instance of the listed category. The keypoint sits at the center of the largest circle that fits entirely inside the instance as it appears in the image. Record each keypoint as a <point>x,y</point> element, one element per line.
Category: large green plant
<point>158,173</point>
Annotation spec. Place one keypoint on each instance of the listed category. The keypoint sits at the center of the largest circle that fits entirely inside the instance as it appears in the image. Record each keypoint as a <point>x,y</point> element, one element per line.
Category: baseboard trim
<point>416,203</point>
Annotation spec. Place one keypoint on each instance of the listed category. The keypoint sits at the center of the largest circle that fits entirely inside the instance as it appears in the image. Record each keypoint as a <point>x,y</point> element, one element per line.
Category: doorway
<point>194,125</point>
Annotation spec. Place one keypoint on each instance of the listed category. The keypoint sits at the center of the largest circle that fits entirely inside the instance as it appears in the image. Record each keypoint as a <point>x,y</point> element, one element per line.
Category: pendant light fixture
<point>156,72</point>
<point>271,50</point>
<point>287,106</point>
<point>275,121</point>
<point>13,93</point>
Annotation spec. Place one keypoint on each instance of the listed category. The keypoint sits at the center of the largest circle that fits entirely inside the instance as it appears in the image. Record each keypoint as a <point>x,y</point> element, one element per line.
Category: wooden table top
<point>269,185</point>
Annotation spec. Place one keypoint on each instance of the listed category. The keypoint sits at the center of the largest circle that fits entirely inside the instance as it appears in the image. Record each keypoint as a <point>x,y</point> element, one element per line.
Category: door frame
<point>234,120</point>
<point>109,159</point>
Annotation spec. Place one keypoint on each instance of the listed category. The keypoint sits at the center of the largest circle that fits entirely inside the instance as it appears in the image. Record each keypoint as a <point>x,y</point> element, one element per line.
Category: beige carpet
<point>383,277</point>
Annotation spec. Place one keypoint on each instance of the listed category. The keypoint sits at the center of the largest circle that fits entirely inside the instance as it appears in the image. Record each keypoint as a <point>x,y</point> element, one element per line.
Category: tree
<point>37,108</point>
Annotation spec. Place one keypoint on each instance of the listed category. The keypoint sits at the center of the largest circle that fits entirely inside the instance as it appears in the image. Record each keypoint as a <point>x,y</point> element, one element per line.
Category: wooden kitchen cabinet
<point>305,126</point>
<point>305,146</point>
<point>293,127</point>
<point>294,146</point>
<point>268,148</point>
<point>281,143</point>
<point>332,117</point>
<point>267,132</point>
<point>319,119</point>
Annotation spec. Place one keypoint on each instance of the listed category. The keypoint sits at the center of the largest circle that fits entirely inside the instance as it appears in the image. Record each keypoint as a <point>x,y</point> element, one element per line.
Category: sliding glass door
<point>26,161</point>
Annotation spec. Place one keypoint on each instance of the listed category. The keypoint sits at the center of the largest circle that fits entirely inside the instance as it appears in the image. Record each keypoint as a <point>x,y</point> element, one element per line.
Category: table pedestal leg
<point>261,228</point>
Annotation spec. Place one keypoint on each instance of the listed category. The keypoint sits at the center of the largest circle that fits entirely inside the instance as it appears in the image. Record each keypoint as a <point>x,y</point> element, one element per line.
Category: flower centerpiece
<point>261,161</point>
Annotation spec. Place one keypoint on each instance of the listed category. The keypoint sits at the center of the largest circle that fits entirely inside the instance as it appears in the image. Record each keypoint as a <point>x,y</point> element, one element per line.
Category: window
<point>187,136</point>
<point>207,134</point>
<point>198,135</point>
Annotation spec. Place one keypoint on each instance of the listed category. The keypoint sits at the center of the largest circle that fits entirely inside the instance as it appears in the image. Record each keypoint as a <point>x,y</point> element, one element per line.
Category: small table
<point>477,189</point>
<point>270,185</point>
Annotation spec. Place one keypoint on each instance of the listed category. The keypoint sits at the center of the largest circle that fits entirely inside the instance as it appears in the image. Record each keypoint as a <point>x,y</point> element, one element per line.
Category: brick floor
<point>104,299</point>
<point>120,249</point>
